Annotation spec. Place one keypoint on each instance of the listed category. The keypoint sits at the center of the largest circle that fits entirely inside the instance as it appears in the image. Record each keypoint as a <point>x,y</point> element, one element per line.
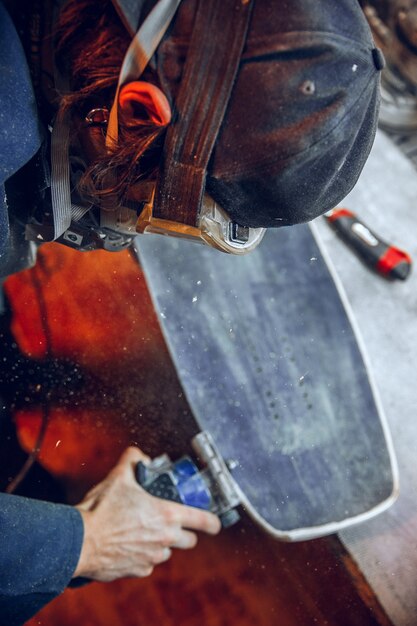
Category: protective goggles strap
<point>219,34</point>
<point>64,211</point>
<point>138,55</point>
<point>62,208</point>
<point>60,175</point>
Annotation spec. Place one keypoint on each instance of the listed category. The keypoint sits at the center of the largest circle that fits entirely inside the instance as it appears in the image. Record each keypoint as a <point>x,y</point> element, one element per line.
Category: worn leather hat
<point>302,114</point>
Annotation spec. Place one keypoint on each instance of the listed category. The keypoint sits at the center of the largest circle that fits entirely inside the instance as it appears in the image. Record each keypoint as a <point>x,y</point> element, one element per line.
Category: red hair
<point>91,43</point>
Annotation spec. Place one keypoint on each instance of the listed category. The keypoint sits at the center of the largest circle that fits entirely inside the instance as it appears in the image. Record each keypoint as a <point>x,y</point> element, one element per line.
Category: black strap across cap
<point>213,58</point>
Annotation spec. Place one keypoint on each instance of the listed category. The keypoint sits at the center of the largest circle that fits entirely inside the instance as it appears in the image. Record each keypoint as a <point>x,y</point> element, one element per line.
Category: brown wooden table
<point>88,318</point>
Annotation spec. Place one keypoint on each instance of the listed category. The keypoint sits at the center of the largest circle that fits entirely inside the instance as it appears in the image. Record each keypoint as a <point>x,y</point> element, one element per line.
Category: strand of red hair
<point>91,43</point>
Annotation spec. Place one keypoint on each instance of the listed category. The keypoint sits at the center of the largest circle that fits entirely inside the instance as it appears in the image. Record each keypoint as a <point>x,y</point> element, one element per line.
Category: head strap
<point>219,34</point>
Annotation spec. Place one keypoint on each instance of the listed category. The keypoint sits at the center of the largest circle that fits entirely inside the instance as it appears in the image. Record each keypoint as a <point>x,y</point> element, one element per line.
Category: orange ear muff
<point>149,97</point>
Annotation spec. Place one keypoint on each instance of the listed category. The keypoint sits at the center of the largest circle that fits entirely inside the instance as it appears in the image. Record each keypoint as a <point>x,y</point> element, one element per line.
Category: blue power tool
<point>211,488</point>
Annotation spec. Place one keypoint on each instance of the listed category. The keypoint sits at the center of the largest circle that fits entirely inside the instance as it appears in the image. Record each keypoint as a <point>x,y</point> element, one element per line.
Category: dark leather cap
<point>302,115</point>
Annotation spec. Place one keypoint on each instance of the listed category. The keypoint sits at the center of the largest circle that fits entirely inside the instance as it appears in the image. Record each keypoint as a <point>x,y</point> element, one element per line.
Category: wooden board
<point>271,366</point>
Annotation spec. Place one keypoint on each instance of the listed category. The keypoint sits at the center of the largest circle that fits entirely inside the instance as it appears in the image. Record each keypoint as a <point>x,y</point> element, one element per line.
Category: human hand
<point>127,531</point>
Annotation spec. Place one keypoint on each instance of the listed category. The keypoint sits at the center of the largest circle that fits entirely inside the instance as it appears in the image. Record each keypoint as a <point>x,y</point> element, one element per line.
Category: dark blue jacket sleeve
<point>40,547</point>
<point>20,132</point>
<point>40,542</point>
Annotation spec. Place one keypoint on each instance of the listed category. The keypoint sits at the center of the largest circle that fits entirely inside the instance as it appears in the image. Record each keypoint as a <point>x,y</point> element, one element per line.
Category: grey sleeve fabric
<point>40,547</point>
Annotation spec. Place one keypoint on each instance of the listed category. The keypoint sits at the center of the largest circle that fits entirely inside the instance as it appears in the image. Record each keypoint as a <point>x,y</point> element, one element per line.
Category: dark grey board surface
<point>271,366</point>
